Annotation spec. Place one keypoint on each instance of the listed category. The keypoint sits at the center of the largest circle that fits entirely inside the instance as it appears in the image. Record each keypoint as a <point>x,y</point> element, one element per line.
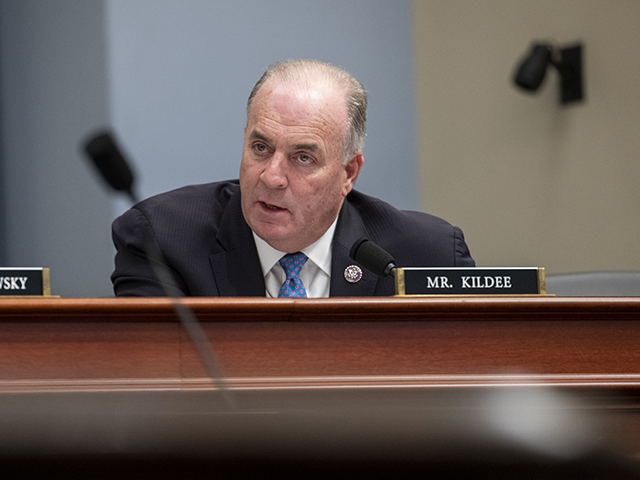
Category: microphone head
<point>372,257</point>
<point>106,156</point>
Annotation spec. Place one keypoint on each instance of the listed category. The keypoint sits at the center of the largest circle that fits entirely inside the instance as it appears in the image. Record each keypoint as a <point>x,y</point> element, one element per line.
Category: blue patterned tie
<point>292,287</point>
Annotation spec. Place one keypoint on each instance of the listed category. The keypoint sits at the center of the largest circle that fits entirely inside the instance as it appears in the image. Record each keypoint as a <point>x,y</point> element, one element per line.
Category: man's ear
<point>352,168</point>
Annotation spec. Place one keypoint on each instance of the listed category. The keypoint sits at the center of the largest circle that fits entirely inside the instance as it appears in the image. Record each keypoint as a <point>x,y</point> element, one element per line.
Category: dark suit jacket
<point>210,250</point>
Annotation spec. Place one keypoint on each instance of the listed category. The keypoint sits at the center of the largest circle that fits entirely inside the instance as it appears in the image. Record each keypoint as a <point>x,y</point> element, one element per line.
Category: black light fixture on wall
<point>568,61</point>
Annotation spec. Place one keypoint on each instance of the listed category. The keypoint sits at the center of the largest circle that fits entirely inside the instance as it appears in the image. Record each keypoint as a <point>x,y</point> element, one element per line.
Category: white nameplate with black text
<point>26,281</point>
<point>470,281</point>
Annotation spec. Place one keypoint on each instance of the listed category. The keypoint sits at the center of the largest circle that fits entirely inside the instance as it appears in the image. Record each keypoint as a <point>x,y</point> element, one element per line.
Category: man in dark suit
<point>286,226</point>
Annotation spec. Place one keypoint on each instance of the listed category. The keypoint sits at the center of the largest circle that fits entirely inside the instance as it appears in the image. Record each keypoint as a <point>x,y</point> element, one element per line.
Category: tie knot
<point>291,263</point>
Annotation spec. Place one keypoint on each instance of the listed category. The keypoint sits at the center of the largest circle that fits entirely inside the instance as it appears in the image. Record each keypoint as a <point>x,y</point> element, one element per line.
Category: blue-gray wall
<point>171,78</point>
<point>54,88</point>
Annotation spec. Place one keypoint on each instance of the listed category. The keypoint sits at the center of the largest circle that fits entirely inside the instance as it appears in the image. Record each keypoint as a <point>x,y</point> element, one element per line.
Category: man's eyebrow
<point>259,136</point>
<point>311,147</point>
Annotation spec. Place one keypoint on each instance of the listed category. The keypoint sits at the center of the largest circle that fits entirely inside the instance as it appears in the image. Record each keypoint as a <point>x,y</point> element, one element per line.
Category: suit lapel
<point>235,264</point>
<point>349,229</point>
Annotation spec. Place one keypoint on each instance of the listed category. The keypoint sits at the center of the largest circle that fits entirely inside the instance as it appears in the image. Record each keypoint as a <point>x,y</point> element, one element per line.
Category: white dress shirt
<point>315,273</point>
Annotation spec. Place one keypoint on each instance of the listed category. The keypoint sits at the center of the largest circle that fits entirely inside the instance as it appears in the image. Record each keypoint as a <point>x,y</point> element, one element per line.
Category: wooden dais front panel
<point>78,344</point>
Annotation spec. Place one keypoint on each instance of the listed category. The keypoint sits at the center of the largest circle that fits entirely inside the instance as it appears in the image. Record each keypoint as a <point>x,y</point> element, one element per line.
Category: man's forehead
<point>302,99</point>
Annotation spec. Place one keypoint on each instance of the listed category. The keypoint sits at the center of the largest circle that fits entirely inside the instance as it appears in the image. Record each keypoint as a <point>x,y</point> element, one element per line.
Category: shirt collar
<point>319,252</point>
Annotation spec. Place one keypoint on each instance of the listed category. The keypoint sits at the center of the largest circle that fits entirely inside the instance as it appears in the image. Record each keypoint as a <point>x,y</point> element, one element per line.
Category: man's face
<point>292,177</point>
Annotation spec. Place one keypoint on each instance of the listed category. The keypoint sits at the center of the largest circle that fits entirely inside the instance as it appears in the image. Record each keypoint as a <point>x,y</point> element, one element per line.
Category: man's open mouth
<point>272,207</point>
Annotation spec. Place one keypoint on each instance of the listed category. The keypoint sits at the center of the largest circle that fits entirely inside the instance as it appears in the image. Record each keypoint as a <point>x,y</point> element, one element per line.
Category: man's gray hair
<point>313,70</point>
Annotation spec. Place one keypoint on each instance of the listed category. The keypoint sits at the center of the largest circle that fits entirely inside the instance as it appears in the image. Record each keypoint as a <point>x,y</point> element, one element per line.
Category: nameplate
<point>470,281</point>
<point>24,282</point>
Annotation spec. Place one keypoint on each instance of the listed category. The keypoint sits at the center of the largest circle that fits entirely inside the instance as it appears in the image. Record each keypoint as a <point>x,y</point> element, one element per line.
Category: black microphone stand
<point>106,156</point>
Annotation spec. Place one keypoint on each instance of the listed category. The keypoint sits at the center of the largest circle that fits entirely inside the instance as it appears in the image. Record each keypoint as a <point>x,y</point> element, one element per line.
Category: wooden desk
<point>61,350</point>
<point>131,344</point>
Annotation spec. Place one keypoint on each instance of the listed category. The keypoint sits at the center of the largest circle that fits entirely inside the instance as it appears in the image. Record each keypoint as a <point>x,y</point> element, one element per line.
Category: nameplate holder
<point>470,281</point>
<point>24,282</point>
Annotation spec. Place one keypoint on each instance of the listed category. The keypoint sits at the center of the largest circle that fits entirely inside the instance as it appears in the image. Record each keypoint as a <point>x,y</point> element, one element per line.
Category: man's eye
<point>260,147</point>
<point>304,158</point>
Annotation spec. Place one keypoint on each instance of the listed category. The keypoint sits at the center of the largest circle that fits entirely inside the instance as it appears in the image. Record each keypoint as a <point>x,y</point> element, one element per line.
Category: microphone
<point>373,257</point>
<point>104,152</point>
<point>106,156</point>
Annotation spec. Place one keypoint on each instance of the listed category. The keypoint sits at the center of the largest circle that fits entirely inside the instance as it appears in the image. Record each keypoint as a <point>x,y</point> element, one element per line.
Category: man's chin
<point>281,242</point>
<point>271,236</point>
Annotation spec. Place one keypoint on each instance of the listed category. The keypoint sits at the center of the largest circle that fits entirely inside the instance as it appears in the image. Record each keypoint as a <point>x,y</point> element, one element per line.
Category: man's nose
<point>275,171</point>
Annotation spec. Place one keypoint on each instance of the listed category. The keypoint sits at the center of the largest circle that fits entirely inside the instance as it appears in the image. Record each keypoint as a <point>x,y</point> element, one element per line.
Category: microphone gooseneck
<point>113,167</point>
<point>373,257</point>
